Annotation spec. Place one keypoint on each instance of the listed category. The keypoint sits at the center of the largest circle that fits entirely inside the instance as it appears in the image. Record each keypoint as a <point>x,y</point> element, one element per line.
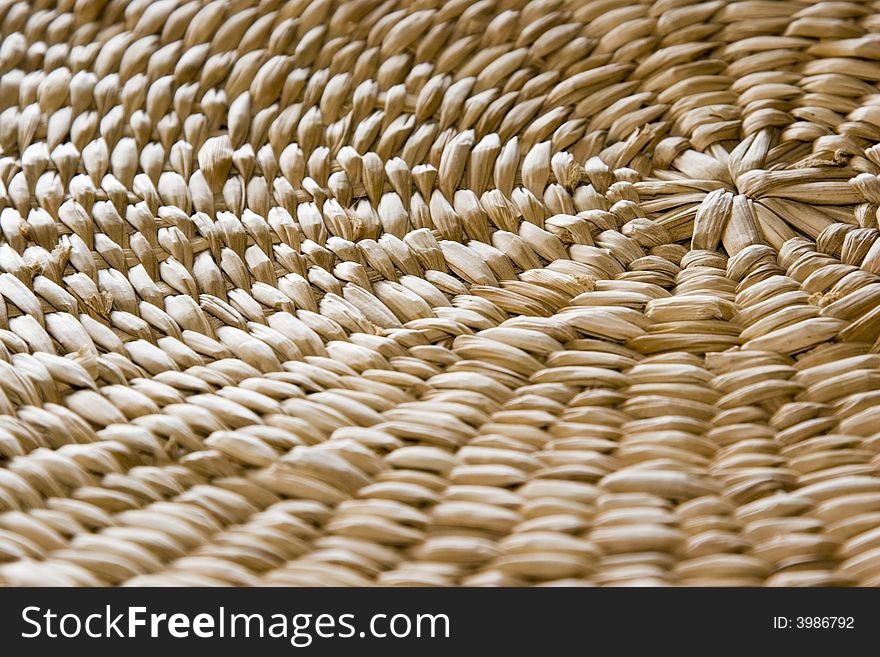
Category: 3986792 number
<point>824,622</point>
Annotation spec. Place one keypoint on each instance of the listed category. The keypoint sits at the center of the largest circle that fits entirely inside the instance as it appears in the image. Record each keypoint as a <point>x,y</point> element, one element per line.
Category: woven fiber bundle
<point>432,292</point>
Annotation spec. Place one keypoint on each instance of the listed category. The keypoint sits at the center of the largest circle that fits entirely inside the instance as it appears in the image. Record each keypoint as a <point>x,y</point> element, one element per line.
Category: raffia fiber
<point>439,293</point>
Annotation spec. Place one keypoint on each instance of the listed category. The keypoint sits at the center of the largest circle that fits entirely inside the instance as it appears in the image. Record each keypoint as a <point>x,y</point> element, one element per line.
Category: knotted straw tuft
<point>439,293</point>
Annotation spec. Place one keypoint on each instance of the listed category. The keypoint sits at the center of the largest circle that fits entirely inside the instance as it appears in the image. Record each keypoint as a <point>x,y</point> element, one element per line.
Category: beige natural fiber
<point>439,292</point>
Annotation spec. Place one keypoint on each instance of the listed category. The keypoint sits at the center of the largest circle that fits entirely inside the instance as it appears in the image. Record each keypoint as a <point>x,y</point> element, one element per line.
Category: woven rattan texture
<point>439,292</point>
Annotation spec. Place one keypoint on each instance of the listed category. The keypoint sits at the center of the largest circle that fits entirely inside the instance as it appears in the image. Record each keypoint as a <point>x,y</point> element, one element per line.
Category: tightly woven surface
<point>439,293</point>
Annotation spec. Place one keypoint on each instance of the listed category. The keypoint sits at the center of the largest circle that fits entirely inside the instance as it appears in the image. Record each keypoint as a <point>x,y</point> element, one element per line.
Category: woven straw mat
<point>439,293</point>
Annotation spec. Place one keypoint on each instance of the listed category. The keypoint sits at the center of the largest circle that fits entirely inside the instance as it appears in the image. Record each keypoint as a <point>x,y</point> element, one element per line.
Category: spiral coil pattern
<point>369,292</point>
